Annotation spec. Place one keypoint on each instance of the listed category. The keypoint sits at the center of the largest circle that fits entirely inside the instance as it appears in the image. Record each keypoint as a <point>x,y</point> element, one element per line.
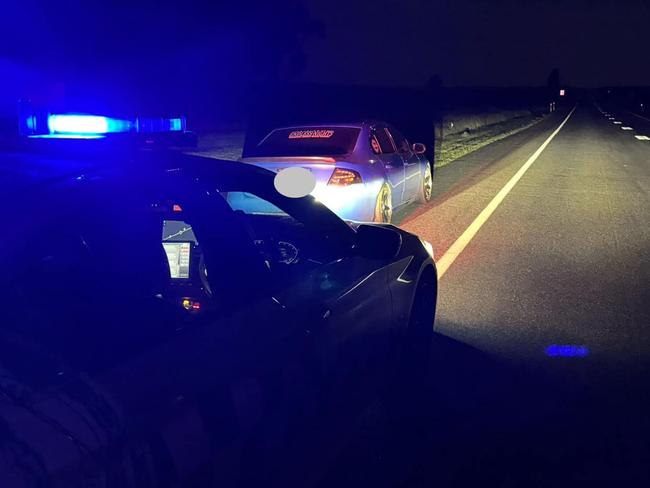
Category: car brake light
<point>344,177</point>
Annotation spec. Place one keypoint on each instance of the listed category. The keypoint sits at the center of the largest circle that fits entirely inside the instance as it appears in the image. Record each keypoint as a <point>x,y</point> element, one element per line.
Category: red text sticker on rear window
<point>311,134</point>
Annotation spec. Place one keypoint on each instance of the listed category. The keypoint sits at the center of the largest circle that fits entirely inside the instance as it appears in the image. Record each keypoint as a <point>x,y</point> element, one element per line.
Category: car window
<point>382,137</point>
<point>304,259</point>
<point>374,145</point>
<point>400,141</point>
<point>292,238</point>
<point>308,141</point>
<point>251,204</point>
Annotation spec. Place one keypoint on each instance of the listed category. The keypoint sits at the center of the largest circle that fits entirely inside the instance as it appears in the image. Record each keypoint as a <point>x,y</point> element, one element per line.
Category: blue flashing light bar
<point>567,350</point>
<point>71,135</point>
<point>85,124</point>
<point>41,124</point>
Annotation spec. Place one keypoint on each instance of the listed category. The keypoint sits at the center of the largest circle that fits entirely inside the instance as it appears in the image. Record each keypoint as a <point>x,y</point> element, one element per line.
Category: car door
<point>383,147</point>
<point>356,327</point>
<point>95,321</point>
<point>412,165</point>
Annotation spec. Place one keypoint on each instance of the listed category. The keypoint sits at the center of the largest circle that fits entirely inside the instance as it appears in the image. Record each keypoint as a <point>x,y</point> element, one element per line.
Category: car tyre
<point>426,189</point>
<point>384,205</point>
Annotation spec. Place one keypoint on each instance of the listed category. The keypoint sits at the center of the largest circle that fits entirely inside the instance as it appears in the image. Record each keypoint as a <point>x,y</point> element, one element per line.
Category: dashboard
<point>286,246</point>
<point>279,252</point>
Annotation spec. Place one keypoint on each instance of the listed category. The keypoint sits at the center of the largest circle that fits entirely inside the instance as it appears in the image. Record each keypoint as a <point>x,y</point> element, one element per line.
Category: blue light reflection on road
<point>567,350</point>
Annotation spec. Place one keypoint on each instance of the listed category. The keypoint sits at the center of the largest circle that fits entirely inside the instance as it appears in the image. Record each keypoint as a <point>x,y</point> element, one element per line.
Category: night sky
<point>482,42</point>
<point>397,43</point>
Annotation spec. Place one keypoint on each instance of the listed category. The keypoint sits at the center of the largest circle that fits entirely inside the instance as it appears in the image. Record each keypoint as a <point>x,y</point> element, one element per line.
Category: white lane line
<point>459,245</point>
<point>627,128</point>
<point>618,122</point>
<point>642,138</point>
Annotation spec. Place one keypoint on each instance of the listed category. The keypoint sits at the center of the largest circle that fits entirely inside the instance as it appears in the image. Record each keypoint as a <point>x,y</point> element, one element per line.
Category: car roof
<point>155,169</point>
<point>353,124</point>
<point>21,171</point>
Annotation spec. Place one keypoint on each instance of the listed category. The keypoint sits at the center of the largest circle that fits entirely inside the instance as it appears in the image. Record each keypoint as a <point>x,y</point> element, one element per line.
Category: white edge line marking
<point>627,128</point>
<point>448,258</point>
<point>642,138</point>
<point>618,122</point>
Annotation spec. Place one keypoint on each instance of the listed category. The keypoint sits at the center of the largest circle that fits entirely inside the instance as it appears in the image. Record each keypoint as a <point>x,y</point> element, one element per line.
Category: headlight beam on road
<point>448,258</point>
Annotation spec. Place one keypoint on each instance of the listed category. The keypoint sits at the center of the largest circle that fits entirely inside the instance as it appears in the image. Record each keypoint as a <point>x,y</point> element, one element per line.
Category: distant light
<point>85,124</point>
<point>567,350</point>
<point>562,92</point>
<point>177,208</point>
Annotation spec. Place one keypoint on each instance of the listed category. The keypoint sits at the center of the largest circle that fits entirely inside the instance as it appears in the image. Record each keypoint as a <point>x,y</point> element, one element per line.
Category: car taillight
<point>344,177</point>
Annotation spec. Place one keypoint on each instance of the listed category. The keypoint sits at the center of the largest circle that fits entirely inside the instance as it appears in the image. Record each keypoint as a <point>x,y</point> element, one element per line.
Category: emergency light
<point>85,124</point>
<point>43,124</point>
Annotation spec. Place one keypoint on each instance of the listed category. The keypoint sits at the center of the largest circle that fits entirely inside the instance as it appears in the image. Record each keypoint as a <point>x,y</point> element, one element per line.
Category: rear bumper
<point>354,202</point>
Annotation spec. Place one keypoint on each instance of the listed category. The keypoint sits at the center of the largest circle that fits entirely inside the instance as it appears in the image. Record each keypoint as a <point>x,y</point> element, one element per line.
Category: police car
<point>151,332</point>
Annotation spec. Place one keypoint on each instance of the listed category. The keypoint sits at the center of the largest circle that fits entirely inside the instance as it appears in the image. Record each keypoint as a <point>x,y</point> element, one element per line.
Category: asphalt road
<point>564,259</point>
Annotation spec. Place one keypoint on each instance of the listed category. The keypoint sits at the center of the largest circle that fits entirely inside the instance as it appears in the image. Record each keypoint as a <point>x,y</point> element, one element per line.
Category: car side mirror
<point>419,148</point>
<point>376,242</point>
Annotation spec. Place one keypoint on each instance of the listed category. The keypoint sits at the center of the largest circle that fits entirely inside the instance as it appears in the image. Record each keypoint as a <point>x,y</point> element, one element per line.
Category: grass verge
<point>457,145</point>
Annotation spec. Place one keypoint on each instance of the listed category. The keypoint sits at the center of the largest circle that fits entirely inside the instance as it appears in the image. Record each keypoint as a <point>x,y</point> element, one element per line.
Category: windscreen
<point>308,141</point>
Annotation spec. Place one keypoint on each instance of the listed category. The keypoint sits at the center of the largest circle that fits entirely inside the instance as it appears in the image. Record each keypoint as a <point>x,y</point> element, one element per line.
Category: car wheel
<point>384,205</point>
<point>426,188</point>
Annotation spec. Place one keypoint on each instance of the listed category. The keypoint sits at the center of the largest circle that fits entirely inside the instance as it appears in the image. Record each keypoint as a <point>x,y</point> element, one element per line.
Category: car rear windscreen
<point>308,141</point>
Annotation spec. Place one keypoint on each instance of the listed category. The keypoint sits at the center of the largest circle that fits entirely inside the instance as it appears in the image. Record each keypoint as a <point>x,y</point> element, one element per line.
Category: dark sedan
<point>153,335</point>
